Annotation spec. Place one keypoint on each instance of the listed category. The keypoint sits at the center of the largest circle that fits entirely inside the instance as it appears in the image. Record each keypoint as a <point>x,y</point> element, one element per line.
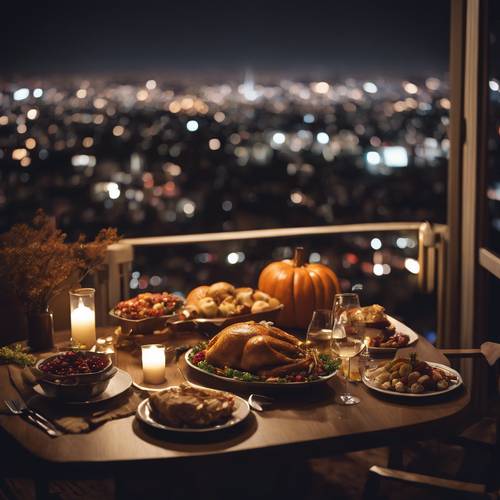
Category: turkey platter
<point>260,352</point>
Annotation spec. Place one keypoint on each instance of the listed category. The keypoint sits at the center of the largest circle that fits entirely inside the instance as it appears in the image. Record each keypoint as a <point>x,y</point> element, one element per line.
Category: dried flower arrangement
<point>36,263</point>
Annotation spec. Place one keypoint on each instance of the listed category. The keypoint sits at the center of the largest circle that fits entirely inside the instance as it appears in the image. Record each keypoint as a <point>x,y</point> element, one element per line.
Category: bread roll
<point>219,291</point>
<point>245,298</point>
<point>208,308</point>
<point>259,306</point>
<point>258,295</point>
<point>228,307</point>
<point>273,302</point>
<point>196,294</point>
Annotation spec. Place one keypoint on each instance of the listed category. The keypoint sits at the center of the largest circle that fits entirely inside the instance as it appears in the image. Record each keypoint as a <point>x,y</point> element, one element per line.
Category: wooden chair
<point>481,406</point>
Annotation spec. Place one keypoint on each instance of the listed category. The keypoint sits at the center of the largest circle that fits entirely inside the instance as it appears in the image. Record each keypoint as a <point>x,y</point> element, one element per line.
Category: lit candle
<point>153,363</point>
<point>83,325</point>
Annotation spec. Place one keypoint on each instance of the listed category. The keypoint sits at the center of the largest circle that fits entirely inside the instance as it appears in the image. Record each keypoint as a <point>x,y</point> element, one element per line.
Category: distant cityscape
<point>158,158</point>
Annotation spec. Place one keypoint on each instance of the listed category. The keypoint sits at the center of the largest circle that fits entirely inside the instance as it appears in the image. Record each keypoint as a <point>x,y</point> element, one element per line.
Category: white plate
<point>400,328</point>
<point>258,384</point>
<point>117,385</point>
<point>241,410</point>
<point>445,368</point>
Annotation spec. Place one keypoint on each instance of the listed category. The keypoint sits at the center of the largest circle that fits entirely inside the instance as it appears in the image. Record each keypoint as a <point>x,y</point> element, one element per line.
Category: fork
<point>17,407</point>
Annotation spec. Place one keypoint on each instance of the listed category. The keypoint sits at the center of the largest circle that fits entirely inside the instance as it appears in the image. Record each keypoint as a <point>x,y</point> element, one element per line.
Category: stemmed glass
<point>347,340</point>
<point>319,333</point>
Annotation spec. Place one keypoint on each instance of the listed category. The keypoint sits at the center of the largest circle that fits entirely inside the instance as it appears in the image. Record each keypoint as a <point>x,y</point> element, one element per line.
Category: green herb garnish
<point>15,354</point>
<point>207,367</point>
<point>329,364</point>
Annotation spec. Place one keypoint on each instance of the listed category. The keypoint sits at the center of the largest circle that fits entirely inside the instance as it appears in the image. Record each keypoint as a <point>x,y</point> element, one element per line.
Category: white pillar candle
<point>153,363</point>
<point>83,325</point>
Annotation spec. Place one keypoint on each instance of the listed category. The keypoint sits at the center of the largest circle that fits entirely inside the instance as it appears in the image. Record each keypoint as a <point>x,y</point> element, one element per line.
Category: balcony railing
<point>431,254</point>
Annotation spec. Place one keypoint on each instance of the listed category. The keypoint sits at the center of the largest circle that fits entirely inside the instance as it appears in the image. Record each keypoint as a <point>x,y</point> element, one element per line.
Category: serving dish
<point>216,324</point>
<point>369,383</point>
<point>59,371</point>
<point>146,312</point>
<point>142,326</point>
<point>117,384</point>
<point>401,328</point>
<point>146,415</point>
<point>74,375</point>
<point>256,384</point>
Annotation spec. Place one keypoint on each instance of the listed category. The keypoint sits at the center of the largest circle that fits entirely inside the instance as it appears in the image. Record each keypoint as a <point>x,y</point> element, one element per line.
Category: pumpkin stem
<point>299,257</point>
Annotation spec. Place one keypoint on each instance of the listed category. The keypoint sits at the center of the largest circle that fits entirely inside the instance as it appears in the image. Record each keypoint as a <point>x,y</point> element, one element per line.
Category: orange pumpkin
<point>300,287</point>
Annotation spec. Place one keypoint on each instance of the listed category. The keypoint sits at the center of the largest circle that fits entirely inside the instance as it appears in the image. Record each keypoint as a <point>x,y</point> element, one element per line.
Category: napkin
<point>73,419</point>
<point>491,352</point>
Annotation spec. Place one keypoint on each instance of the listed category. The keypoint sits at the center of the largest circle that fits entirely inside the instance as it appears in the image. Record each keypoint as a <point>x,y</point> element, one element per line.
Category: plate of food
<point>411,377</point>
<point>192,409</point>
<point>146,312</point>
<point>259,355</point>
<point>382,332</point>
<point>221,304</point>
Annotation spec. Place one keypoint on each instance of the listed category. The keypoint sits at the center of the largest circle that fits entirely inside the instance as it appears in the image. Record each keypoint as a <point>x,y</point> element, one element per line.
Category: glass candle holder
<point>82,308</point>
<point>153,363</point>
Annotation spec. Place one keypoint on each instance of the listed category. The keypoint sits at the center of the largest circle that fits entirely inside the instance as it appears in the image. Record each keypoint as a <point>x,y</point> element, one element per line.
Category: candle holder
<point>153,363</point>
<point>82,308</point>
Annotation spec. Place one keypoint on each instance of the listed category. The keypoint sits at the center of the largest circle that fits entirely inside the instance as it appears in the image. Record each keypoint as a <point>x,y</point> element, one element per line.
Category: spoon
<point>259,402</point>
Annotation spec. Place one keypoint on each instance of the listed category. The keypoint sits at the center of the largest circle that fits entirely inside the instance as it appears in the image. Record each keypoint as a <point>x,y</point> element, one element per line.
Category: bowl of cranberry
<point>75,375</point>
<point>146,312</point>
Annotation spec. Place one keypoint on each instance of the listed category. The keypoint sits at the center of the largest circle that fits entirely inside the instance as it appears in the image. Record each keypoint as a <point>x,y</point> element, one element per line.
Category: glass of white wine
<point>319,333</point>
<point>347,340</point>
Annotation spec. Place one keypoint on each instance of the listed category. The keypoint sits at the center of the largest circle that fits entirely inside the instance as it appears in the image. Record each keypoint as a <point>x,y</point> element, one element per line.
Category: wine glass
<point>319,332</point>
<point>347,340</point>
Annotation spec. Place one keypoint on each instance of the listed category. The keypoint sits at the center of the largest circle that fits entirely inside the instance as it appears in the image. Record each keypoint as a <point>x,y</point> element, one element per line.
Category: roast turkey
<point>257,348</point>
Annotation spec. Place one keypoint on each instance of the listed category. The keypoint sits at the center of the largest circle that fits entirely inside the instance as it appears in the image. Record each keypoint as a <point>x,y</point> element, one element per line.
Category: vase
<point>40,331</point>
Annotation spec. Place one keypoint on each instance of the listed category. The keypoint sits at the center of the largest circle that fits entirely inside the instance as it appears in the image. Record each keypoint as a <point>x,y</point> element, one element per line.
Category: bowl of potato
<point>221,304</point>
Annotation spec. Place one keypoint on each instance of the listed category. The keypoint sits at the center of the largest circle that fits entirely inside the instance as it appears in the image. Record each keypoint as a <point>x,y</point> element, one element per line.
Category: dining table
<point>301,423</point>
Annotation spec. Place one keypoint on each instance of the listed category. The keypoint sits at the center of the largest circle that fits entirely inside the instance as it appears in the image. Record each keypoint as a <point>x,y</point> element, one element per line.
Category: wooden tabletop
<point>309,423</point>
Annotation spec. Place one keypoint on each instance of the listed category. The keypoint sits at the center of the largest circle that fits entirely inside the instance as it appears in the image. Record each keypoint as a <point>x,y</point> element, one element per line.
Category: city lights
<point>214,144</point>
<point>19,154</point>
<point>30,143</point>
<point>118,130</point>
<point>207,157</point>
<point>279,138</point>
<point>323,138</point>
<point>113,190</point>
<point>410,87</point>
<point>227,205</point>
<point>321,87</point>
<point>412,265</point>
<point>192,125</point>
<point>37,93</point>
<point>235,257</point>
<point>494,86</point>
<point>21,94</point>
<point>373,158</point>
<point>402,243</point>
<point>395,156</point>
<point>314,257</point>
<point>370,87</point>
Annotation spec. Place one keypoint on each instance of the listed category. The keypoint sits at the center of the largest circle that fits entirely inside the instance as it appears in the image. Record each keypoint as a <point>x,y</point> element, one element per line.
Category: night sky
<point>358,37</point>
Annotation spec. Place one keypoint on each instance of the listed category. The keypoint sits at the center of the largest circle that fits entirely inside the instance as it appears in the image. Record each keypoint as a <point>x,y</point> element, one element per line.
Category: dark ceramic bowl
<point>78,378</point>
<point>75,390</point>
